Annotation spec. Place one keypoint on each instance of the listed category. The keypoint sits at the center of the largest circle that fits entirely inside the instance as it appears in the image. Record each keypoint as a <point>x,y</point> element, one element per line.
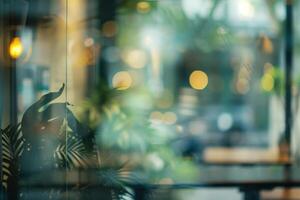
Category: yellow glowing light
<point>267,82</point>
<point>122,80</point>
<point>16,48</point>
<point>198,80</point>
<point>143,7</point>
<point>135,58</point>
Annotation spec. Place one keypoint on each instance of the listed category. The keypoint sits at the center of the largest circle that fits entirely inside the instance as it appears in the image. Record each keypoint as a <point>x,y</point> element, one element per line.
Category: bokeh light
<point>135,58</point>
<point>242,86</point>
<point>88,42</point>
<point>15,48</point>
<point>122,80</point>
<point>267,45</point>
<point>267,82</point>
<point>152,37</point>
<point>198,80</point>
<point>156,116</point>
<point>245,9</point>
<point>170,118</point>
<point>225,121</point>
<point>143,7</point>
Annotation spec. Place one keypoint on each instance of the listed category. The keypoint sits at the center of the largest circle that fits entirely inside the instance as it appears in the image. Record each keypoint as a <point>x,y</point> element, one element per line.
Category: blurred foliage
<point>204,34</point>
<point>279,81</point>
<point>278,77</point>
<point>50,137</point>
<point>126,135</point>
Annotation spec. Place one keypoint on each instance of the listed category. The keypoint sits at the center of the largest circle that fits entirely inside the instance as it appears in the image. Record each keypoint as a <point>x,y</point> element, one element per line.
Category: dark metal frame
<point>289,40</point>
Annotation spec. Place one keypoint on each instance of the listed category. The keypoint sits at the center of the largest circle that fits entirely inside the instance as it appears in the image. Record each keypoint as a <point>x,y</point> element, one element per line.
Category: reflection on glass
<point>124,92</point>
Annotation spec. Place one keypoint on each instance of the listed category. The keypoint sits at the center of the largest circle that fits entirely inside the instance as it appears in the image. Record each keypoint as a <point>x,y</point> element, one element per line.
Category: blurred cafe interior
<point>150,99</point>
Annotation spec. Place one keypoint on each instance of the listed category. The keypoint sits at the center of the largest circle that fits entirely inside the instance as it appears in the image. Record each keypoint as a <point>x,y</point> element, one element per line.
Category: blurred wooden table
<point>264,171</point>
<point>250,180</point>
<point>247,156</point>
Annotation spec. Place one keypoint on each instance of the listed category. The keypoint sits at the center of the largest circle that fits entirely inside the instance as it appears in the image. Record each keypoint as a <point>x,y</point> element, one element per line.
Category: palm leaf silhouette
<point>76,147</point>
<point>114,178</point>
<point>74,154</point>
<point>12,149</point>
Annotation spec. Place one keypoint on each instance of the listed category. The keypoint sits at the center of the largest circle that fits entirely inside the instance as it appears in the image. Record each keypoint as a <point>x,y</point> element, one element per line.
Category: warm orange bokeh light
<point>15,48</point>
<point>198,80</point>
<point>122,80</point>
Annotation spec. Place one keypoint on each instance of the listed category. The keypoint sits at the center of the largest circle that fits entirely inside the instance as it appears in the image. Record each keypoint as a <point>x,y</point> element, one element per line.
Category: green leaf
<point>12,149</point>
